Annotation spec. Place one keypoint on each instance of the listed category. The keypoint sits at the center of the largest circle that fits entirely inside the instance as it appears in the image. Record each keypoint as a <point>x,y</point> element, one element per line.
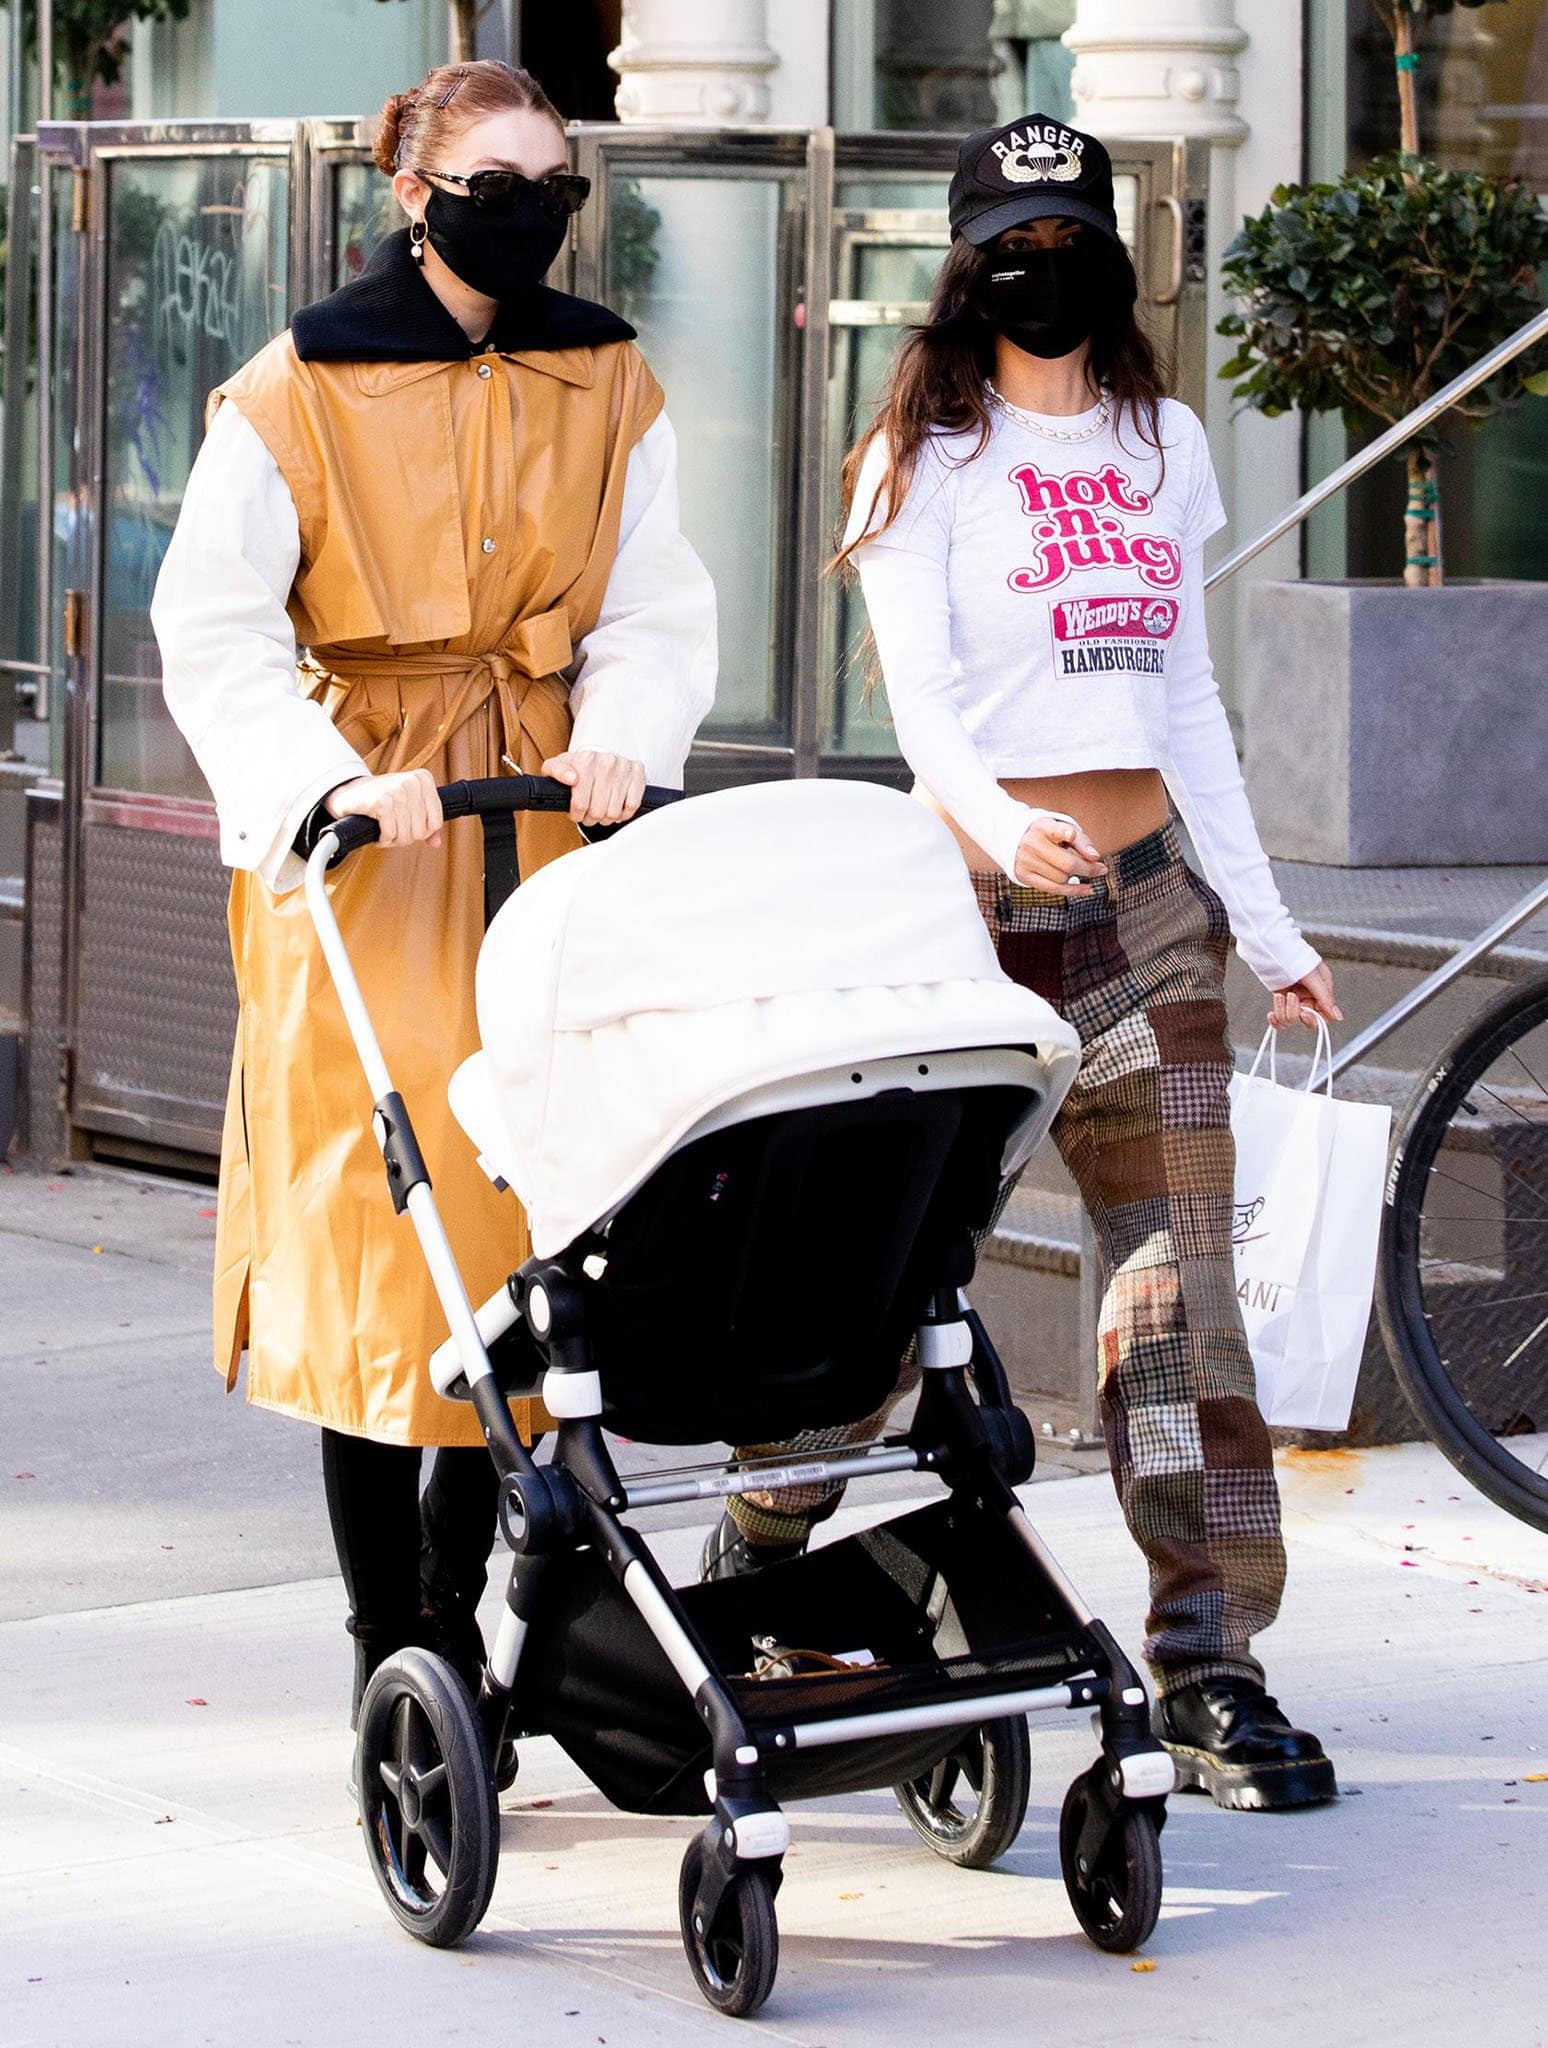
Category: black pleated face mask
<point>501,253</point>
<point>1047,301</point>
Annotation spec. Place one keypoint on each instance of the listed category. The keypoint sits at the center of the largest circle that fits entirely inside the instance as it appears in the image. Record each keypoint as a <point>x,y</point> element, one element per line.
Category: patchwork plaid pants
<point>1138,968</point>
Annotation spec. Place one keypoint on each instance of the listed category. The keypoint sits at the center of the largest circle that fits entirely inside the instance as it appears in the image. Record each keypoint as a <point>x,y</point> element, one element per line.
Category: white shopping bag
<point>1309,1174</point>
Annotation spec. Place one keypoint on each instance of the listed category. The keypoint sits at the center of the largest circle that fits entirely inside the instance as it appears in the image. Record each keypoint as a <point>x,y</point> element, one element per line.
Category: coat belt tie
<point>523,676</point>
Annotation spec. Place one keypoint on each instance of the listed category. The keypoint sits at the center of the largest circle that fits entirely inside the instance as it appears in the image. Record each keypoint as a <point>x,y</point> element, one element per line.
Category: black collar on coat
<point>390,315</point>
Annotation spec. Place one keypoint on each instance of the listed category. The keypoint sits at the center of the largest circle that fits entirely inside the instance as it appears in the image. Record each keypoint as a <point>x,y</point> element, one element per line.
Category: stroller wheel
<point>734,1959</point>
<point>427,1799</point>
<point>971,1806</point>
<point>1118,1899</point>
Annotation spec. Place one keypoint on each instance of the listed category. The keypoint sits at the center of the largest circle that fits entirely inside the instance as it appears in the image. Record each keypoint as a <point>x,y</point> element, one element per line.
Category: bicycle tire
<point>1400,1300</point>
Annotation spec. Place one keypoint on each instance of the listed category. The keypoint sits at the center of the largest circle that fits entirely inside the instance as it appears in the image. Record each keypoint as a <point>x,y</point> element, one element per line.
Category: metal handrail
<point>1534,330</point>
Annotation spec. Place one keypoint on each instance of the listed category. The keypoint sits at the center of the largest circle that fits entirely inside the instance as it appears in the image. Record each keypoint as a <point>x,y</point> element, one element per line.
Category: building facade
<point>771,180</point>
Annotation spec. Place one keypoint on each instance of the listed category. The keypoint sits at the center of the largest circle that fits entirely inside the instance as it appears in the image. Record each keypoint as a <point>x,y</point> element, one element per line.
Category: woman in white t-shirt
<point>1027,516</point>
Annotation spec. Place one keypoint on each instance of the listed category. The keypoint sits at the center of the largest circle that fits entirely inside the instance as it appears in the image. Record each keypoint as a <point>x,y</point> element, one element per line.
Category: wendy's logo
<point>1079,522</point>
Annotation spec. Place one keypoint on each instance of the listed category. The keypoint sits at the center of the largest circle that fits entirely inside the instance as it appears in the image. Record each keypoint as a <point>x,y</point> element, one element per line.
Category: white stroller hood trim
<point>628,990</point>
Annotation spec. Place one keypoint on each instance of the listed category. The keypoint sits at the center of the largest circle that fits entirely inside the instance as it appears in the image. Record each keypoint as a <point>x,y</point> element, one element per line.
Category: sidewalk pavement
<point>185,1870</point>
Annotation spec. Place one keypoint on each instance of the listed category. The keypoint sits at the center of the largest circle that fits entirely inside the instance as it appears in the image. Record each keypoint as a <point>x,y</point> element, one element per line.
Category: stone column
<point>694,63</point>
<point>1168,68</point>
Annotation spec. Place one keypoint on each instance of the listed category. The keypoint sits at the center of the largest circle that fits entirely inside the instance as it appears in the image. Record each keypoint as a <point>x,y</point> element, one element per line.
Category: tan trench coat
<point>429,649</point>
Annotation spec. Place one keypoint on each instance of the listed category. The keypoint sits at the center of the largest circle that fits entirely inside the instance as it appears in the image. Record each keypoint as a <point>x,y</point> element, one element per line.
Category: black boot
<point>1230,1738</point>
<point>728,1554</point>
<point>374,1644</point>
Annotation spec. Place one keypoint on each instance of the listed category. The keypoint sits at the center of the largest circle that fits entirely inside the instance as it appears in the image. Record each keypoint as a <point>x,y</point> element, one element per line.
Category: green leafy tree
<point>89,42</point>
<point>1364,297</point>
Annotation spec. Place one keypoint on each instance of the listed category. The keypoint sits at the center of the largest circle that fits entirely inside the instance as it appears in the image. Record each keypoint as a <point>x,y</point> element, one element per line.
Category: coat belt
<point>523,676</point>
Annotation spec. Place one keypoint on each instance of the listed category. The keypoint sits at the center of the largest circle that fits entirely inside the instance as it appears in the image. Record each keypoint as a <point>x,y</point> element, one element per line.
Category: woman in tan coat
<point>454,491</point>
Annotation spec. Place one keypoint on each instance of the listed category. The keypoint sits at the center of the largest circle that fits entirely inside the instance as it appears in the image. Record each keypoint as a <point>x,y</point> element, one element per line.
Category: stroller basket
<point>940,1599</point>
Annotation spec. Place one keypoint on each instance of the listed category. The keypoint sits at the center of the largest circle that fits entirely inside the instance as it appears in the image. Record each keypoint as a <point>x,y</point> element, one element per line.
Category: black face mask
<point>501,254</point>
<point>1047,301</point>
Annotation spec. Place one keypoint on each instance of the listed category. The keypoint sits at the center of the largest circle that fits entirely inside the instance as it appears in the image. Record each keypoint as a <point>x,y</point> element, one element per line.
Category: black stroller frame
<point>593,1637</point>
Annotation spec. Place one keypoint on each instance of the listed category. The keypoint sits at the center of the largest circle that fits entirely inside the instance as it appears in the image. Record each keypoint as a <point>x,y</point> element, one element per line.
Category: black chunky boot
<point>1231,1739</point>
<point>727,1553</point>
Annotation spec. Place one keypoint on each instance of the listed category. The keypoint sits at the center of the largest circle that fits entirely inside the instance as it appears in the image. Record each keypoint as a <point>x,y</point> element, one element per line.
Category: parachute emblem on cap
<point>1035,163</point>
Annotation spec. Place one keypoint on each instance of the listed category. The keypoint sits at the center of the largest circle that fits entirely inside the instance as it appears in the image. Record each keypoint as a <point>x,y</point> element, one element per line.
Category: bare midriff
<point>1115,806</point>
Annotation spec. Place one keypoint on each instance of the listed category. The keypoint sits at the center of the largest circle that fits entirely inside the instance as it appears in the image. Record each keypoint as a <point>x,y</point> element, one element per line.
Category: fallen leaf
<point>96,1247</point>
<point>1142,1965</point>
<point>851,1895</point>
<point>1409,1564</point>
<point>534,1804</point>
<point>1535,1778</point>
<point>209,1212</point>
<point>196,1703</point>
<point>26,1475</point>
<point>165,1821</point>
<point>1512,1802</point>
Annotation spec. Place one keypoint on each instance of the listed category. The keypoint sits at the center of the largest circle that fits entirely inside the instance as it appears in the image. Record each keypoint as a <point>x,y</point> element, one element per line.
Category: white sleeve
<point>646,670</point>
<point>903,575</point>
<point>228,653</point>
<point>1206,785</point>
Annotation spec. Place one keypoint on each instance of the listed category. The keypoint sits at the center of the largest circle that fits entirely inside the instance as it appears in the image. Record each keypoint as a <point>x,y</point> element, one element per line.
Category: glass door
<point>196,280</point>
<point>696,240</point>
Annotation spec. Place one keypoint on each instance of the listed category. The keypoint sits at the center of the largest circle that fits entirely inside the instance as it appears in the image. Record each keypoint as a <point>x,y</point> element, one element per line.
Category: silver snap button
<point>487,545</point>
<point>484,370</point>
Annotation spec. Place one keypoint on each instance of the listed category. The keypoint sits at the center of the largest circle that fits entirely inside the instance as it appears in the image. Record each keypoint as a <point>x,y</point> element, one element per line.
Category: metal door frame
<point>86,150</point>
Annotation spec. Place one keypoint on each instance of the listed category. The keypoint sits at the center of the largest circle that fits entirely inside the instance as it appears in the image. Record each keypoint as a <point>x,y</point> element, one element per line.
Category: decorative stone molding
<point>1165,69</point>
<point>683,64</point>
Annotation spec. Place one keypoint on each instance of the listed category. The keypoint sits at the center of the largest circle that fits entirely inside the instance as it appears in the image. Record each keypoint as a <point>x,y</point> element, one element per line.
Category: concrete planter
<point>1398,728</point>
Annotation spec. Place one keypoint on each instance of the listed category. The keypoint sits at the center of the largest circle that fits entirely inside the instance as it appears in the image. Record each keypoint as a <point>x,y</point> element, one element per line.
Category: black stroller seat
<point>769,1276</point>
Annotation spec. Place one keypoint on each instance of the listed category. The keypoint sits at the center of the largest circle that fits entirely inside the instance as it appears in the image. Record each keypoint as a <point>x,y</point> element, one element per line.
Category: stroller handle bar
<point>490,796</point>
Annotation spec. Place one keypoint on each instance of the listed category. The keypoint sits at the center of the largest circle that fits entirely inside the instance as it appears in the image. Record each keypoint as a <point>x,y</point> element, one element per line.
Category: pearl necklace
<point>1037,424</point>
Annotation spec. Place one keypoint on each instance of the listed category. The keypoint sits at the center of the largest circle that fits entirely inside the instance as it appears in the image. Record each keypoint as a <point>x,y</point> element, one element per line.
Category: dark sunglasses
<point>561,194</point>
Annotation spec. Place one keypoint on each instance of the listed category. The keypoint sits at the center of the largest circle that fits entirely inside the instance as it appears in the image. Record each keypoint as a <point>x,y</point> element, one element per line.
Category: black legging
<point>413,1570</point>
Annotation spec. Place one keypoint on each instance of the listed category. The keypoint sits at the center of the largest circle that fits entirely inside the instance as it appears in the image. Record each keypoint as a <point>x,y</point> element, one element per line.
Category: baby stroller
<point>755,1073</point>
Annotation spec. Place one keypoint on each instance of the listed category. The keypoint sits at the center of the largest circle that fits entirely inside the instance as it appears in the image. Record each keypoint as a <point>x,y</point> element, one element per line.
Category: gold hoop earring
<point>417,233</point>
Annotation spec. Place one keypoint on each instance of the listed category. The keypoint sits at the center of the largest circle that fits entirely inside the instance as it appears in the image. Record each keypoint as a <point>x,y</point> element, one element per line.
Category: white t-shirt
<point>1038,610</point>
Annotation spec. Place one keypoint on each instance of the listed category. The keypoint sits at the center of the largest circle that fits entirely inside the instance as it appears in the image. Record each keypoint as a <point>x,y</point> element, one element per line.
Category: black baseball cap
<point>1032,169</point>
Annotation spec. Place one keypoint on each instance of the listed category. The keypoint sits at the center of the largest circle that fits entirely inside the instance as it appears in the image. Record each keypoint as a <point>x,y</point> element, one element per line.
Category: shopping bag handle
<point>1323,1056</point>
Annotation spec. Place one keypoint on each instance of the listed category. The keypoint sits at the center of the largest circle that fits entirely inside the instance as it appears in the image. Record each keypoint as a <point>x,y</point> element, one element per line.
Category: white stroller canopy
<point>629,990</point>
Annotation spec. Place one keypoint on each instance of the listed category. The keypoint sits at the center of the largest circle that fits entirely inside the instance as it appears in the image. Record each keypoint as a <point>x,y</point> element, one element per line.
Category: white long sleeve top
<point>1038,609</point>
<point>642,678</point>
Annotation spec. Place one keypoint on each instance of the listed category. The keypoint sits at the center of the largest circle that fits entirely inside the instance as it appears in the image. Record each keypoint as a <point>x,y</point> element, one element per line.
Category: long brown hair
<point>938,380</point>
<point>416,126</point>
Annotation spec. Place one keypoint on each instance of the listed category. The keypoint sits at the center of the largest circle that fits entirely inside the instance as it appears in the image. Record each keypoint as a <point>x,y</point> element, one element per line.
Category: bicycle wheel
<point>1462,1285</point>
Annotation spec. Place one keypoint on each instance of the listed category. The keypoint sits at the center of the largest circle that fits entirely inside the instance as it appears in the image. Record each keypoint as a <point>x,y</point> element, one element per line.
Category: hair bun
<point>389,129</point>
